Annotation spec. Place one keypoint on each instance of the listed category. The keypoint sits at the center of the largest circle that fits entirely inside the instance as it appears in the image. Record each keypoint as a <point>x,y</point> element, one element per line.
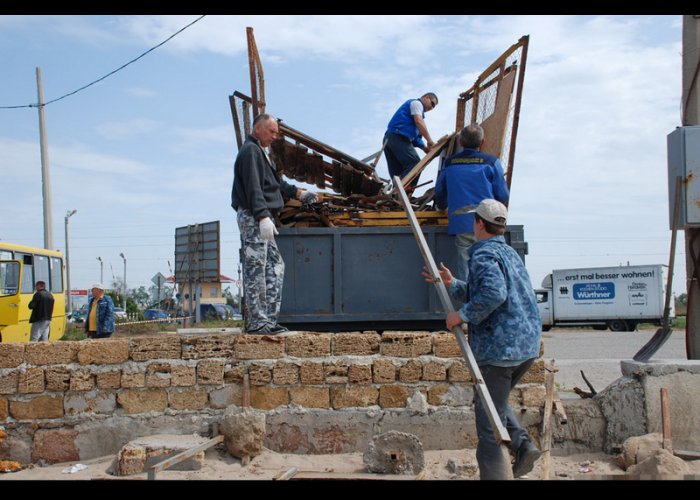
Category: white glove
<point>267,229</point>
<point>308,197</point>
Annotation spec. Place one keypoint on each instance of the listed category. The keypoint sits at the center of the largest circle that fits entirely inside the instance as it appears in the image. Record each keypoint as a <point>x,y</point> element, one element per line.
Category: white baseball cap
<point>98,285</point>
<point>492,211</point>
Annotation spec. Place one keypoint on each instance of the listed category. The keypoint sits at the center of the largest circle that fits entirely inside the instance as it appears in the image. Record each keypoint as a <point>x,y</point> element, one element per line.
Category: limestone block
<point>458,372</point>
<point>356,344</point>
<point>143,400</point>
<point>311,373</point>
<point>244,432</point>
<point>406,344</point>
<point>55,446</point>
<point>233,374</point>
<point>133,379</point>
<point>393,396</point>
<point>158,347</point>
<point>534,396</point>
<point>446,345</point>
<point>183,376</point>
<point>226,396</point>
<point>31,381</point>
<point>411,371</point>
<point>434,372</point>
<point>104,352</point>
<point>138,455</point>
<point>158,375</point>
<point>436,392</point>
<point>109,380</point>
<point>284,373</point>
<point>394,453</point>
<point>335,372</point>
<point>260,374</point>
<point>51,353</point>
<point>210,372</point>
<point>383,371</point>
<point>259,347</point>
<point>310,397</point>
<point>309,345</point>
<point>267,398</point>
<point>210,346</point>
<point>354,396</point>
<point>360,374</point>
<point>81,380</point>
<point>57,378</point>
<point>11,355</point>
<point>39,407</point>
<point>3,408</point>
<point>535,375</point>
<point>8,382</point>
<point>188,399</point>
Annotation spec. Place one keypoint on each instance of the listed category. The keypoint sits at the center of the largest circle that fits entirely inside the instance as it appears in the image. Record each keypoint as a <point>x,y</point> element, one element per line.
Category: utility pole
<point>690,108</point>
<point>102,282</point>
<point>122,256</point>
<point>45,175</point>
<point>69,298</point>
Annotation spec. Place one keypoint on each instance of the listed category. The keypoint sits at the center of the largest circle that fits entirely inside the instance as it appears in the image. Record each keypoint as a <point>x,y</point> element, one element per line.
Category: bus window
<point>56,275</point>
<point>9,278</point>
<point>41,270</point>
<point>27,271</point>
<point>5,255</point>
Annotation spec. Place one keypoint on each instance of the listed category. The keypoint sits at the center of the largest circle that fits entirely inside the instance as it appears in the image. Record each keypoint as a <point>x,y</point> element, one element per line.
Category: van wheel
<point>631,326</point>
<point>617,325</point>
<point>600,327</point>
<point>546,328</point>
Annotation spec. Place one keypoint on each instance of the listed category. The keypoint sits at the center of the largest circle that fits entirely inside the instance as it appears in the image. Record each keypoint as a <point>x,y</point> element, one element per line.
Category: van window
<point>41,270</point>
<point>541,297</point>
<point>56,275</point>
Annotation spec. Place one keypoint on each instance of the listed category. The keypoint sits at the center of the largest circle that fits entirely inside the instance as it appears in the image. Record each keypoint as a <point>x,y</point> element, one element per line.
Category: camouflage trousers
<point>263,274</point>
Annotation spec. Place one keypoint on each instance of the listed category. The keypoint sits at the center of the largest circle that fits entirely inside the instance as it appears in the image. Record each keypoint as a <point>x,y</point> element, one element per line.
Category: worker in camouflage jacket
<point>258,193</point>
<point>504,334</point>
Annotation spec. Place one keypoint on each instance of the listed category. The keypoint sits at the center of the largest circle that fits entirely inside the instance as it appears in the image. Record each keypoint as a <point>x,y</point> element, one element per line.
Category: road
<point>598,354</point>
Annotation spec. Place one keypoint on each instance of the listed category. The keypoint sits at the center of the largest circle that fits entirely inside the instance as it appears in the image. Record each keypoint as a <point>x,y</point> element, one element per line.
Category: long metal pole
<point>45,174</point>
<point>691,116</point>
<point>125,288</point>
<point>69,298</point>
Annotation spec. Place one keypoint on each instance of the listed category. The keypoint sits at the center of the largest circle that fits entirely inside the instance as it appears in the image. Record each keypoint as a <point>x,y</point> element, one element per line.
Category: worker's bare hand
<point>445,275</point>
<point>453,319</point>
<point>428,277</point>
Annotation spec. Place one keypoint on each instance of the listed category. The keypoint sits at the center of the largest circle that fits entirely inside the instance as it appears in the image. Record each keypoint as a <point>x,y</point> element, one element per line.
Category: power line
<point>110,73</point>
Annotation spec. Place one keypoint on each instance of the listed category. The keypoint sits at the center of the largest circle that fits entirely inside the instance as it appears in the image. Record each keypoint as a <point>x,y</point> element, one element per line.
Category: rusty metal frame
<point>257,88</point>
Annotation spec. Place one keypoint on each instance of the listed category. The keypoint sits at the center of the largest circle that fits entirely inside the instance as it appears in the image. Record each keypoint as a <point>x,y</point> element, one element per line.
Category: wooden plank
<point>345,476</point>
<point>180,457</point>
<point>667,442</point>
<point>430,156</point>
<point>687,454</point>
<point>499,430</point>
<point>495,125</point>
<point>547,421</point>
<point>286,475</point>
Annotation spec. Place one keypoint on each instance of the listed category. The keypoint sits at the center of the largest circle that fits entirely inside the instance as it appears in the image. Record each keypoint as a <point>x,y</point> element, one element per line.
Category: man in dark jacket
<point>42,311</point>
<point>258,193</point>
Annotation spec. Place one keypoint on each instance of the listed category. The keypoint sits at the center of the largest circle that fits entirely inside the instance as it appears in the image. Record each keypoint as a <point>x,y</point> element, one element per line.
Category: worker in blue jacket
<point>405,132</point>
<point>504,335</point>
<point>467,178</point>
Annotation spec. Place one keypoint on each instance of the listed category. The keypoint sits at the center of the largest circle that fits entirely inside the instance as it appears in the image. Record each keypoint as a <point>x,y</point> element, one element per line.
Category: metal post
<point>125,289</point>
<point>45,174</point>
<point>101,270</point>
<point>70,305</point>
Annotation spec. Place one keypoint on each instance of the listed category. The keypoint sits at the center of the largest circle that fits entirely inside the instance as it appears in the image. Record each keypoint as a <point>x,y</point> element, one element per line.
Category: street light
<point>70,305</point>
<point>101,270</point>
<point>123,257</point>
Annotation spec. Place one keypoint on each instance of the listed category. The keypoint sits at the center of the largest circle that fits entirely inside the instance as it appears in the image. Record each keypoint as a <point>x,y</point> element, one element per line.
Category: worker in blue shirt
<point>405,132</point>
<point>465,179</point>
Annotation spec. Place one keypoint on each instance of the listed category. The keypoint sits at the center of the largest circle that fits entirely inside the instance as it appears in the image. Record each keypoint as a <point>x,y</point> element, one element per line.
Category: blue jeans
<point>463,241</point>
<point>401,156</point>
<point>499,381</point>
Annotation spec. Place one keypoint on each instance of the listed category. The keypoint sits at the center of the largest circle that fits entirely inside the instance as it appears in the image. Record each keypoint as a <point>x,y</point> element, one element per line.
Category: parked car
<point>78,315</point>
<point>119,313</point>
<point>232,314</point>
<point>152,314</point>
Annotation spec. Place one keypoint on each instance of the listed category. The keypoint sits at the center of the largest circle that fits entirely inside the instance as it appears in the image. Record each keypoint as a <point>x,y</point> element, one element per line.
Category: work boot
<point>279,329</point>
<point>525,458</point>
<point>263,330</point>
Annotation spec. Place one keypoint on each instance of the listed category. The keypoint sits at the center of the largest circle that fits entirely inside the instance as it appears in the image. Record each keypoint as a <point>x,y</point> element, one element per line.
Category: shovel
<point>663,333</point>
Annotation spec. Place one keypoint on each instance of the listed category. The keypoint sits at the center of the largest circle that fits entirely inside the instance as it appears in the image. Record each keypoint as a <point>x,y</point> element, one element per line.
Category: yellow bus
<point>20,268</point>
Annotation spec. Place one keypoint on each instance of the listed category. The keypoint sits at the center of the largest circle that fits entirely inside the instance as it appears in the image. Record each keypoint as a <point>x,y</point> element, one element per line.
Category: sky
<point>152,147</point>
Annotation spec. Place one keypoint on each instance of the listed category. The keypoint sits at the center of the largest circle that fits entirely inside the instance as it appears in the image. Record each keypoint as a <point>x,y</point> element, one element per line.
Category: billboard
<point>198,252</point>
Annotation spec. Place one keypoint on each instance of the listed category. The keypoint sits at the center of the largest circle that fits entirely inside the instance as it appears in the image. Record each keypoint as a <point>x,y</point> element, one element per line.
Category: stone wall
<point>63,401</point>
